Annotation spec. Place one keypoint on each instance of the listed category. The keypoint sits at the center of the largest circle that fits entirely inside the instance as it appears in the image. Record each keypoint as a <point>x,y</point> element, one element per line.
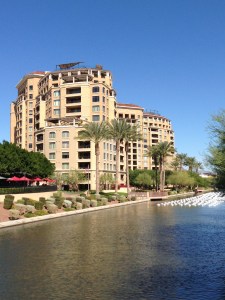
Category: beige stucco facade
<point>61,101</point>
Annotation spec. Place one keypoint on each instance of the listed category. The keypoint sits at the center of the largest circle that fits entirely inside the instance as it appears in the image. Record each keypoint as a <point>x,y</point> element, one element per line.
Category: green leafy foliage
<point>14,160</point>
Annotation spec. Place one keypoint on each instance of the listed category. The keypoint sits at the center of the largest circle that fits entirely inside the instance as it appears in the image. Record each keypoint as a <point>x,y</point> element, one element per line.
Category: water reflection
<point>132,252</point>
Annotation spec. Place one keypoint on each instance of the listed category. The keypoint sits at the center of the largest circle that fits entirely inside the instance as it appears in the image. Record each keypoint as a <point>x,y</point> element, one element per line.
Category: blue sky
<point>165,55</point>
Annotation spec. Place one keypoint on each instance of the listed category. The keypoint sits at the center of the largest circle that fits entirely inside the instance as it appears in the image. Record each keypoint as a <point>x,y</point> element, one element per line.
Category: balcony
<point>84,155</point>
<point>84,144</point>
<point>73,91</point>
<point>73,100</point>
<point>71,110</point>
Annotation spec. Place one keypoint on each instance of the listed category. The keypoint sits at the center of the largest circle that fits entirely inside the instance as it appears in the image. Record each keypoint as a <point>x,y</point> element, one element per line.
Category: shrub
<point>20,201</point>
<point>14,214</point>
<point>28,201</point>
<point>42,199</point>
<point>39,205</point>
<point>94,203</point>
<point>36,214</point>
<point>30,208</point>
<point>69,209</point>
<point>79,205</point>
<point>52,208</point>
<point>104,201</point>
<point>67,204</point>
<point>78,199</point>
<point>20,207</point>
<point>133,198</point>
<point>82,194</point>
<point>8,201</point>
<point>86,203</point>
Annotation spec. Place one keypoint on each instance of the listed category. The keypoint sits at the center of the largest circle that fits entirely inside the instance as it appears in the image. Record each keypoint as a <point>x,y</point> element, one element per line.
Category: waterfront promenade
<point>4,215</point>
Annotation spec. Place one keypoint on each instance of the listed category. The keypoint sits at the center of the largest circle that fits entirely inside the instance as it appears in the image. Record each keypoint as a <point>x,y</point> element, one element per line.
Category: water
<point>134,252</point>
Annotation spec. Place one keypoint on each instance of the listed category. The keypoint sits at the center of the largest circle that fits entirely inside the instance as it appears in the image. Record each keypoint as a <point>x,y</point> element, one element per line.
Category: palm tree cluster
<point>159,153</point>
<point>118,130</point>
<point>182,160</point>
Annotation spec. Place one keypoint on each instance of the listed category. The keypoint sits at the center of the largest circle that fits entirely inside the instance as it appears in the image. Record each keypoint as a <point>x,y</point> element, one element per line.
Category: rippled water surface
<point>135,252</point>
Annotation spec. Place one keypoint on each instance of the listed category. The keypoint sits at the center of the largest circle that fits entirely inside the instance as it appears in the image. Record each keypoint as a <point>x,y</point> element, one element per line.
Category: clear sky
<point>165,55</point>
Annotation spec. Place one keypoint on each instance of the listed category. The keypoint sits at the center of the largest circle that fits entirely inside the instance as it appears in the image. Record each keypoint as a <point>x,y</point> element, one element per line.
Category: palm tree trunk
<point>161,177</point>
<point>117,165</point>
<point>127,171</point>
<point>97,153</point>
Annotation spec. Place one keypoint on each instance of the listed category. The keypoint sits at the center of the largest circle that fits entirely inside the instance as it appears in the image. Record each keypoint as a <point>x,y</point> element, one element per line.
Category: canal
<point>133,252</point>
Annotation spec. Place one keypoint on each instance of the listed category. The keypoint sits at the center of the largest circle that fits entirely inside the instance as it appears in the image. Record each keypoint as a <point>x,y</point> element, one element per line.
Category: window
<point>95,118</point>
<point>30,96</point>
<point>65,134</point>
<point>52,135</point>
<point>103,108</point>
<point>30,137</point>
<point>65,166</point>
<point>30,87</point>
<point>95,89</point>
<point>30,128</point>
<point>56,93</point>
<point>30,104</point>
<point>103,90</point>
<point>65,155</point>
<point>95,99</point>
<point>96,108</point>
<point>30,120</point>
<point>52,155</point>
<point>57,112</point>
<point>52,145</point>
<point>103,99</point>
<point>30,146</point>
<point>56,102</point>
<point>65,144</point>
<point>30,112</point>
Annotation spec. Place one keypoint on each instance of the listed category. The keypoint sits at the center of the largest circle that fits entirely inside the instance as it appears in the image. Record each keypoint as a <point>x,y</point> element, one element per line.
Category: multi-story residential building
<point>51,107</point>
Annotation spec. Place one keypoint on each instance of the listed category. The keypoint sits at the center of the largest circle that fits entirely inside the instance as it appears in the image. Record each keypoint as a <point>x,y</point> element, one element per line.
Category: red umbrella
<point>37,179</point>
<point>48,180</point>
<point>24,178</point>
<point>14,178</point>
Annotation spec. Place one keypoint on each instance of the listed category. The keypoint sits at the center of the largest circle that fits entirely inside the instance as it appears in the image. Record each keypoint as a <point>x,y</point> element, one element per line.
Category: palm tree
<point>190,162</point>
<point>175,164</point>
<point>181,157</point>
<point>153,152</point>
<point>117,131</point>
<point>165,149</point>
<point>132,134</point>
<point>95,132</point>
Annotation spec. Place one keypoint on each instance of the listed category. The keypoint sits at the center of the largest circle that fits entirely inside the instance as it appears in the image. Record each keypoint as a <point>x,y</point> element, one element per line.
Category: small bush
<point>37,213</point>
<point>133,198</point>
<point>79,205</point>
<point>20,201</point>
<point>8,201</point>
<point>69,209</point>
<point>94,203</point>
<point>39,205</point>
<point>14,214</point>
<point>42,199</point>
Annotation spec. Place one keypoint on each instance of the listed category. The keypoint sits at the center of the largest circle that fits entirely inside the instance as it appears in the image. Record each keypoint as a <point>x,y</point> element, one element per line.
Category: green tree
<point>216,150</point>
<point>180,179</point>
<point>95,132</point>
<point>153,152</point>
<point>132,134</point>
<point>106,180</point>
<point>143,180</point>
<point>165,149</point>
<point>116,131</point>
<point>73,178</point>
<point>14,160</point>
